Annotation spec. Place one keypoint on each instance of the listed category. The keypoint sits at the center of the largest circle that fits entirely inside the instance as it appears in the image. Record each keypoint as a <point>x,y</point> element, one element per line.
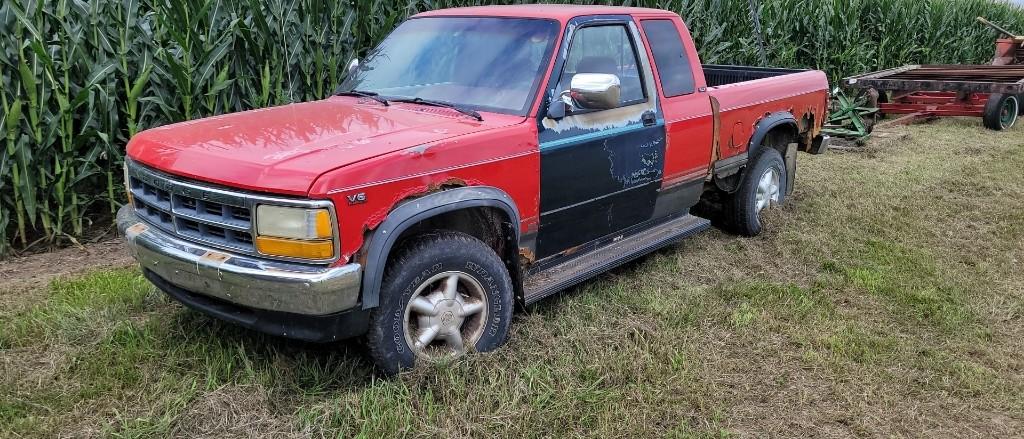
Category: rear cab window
<point>670,58</point>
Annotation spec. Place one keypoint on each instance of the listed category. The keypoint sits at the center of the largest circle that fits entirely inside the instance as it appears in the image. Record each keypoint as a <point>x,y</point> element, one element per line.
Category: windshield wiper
<point>363,94</point>
<point>434,103</point>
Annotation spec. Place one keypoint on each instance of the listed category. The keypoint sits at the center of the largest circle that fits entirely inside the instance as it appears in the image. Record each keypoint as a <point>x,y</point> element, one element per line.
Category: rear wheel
<point>1001,112</point>
<point>764,185</point>
<point>444,294</point>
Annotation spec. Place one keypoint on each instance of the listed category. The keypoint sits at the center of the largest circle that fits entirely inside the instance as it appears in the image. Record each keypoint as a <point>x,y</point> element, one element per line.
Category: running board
<point>559,277</point>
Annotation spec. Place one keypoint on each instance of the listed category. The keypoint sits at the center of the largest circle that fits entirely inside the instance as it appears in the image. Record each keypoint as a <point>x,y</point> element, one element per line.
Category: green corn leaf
<point>13,120</point>
<point>140,83</point>
<point>22,17</point>
<point>93,80</point>
<point>28,82</point>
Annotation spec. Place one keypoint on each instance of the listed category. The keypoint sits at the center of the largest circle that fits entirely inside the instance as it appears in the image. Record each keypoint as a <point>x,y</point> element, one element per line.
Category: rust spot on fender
<point>361,255</point>
<point>449,183</point>
<point>375,219</point>
<point>716,113</point>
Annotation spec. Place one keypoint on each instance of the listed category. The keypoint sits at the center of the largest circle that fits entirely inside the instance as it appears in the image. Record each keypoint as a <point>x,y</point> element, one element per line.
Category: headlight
<point>293,222</point>
<point>294,232</point>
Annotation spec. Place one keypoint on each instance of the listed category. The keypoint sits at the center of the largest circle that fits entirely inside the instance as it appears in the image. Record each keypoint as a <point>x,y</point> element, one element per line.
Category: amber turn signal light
<point>294,248</point>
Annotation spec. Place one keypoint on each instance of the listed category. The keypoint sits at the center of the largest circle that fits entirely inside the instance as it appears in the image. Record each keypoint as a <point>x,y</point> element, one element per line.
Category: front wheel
<point>764,185</point>
<point>444,294</point>
<point>1001,112</point>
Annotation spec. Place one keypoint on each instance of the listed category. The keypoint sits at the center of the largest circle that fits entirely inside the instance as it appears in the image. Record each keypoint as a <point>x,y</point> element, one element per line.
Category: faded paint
<point>285,149</point>
<point>599,120</point>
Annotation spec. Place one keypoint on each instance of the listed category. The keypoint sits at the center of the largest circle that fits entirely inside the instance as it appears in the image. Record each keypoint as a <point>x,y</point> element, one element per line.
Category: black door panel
<point>596,187</point>
<point>601,171</point>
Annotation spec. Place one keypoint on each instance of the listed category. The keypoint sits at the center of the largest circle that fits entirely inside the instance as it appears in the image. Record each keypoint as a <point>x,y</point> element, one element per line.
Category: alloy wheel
<point>446,313</point>
<point>768,189</point>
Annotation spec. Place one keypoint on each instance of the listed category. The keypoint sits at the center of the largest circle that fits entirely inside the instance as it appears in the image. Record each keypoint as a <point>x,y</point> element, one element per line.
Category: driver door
<point>601,170</point>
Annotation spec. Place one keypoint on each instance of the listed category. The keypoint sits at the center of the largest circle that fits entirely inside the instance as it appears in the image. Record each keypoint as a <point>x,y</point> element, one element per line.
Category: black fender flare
<point>761,130</point>
<point>416,210</point>
<point>766,125</point>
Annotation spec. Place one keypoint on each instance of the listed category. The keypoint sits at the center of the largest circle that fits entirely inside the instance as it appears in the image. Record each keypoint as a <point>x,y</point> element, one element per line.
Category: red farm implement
<point>989,92</point>
<point>993,92</point>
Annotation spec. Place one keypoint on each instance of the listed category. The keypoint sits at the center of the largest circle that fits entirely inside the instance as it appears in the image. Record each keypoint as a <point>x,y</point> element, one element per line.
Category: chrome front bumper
<point>243,280</point>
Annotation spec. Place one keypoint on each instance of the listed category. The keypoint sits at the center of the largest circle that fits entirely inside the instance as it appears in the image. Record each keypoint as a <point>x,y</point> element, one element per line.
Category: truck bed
<point>717,75</point>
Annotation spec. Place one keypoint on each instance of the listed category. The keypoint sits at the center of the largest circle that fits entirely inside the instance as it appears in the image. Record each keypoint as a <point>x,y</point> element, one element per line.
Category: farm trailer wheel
<point>1001,112</point>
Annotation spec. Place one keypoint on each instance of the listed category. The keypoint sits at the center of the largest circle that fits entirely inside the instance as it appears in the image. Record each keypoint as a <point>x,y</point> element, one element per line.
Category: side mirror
<point>353,66</point>
<point>595,91</point>
<point>556,108</point>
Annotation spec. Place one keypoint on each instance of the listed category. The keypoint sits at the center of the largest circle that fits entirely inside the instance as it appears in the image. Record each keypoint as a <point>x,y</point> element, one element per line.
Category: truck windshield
<point>488,64</point>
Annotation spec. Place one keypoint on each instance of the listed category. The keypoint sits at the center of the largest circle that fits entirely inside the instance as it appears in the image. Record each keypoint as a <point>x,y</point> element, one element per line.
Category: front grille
<point>207,215</point>
<point>200,212</point>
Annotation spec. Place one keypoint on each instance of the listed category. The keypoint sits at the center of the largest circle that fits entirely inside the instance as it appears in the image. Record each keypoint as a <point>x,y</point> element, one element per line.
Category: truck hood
<point>284,149</point>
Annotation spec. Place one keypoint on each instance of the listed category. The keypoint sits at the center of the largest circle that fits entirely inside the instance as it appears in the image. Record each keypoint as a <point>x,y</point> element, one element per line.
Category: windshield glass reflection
<point>489,64</point>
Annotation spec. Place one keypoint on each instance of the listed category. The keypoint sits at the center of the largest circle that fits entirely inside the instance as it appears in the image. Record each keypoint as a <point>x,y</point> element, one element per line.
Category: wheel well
<point>481,211</point>
<point>780,137</point>
<point>483,223</point>
<point>488,224</point>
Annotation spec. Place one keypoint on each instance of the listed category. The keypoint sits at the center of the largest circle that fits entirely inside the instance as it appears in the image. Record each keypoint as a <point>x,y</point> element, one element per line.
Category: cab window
<point>669,57</point>
<point>606,49</point>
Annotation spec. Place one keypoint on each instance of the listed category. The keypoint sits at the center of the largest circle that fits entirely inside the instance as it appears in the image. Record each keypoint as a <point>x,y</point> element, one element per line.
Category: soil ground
<point>23,277</point>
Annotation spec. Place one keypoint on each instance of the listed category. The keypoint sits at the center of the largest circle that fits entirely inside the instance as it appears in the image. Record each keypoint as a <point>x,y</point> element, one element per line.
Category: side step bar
<point>559,277</point>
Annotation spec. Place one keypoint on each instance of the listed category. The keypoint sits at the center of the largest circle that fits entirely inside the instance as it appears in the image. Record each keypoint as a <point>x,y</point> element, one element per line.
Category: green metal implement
<point>851,118</point>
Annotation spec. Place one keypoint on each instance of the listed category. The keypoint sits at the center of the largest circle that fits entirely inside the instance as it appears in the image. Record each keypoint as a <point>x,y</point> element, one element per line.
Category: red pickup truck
<point>477,159</point>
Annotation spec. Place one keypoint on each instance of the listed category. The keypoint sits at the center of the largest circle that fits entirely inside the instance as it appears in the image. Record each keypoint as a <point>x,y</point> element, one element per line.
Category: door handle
<point>649,118</point>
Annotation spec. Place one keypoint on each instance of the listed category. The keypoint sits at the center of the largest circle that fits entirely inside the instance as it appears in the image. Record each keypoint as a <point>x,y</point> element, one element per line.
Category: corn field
<point>81,77</point>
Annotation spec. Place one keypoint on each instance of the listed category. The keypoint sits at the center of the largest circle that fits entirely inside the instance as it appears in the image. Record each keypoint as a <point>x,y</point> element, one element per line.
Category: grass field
<point>885,300</point>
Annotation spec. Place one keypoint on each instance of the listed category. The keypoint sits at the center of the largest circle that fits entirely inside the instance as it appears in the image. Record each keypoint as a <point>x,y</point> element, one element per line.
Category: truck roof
<point>556,12</point>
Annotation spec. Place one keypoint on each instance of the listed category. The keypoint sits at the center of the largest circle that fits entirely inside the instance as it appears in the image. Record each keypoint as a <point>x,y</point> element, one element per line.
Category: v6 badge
<point>359,198</point>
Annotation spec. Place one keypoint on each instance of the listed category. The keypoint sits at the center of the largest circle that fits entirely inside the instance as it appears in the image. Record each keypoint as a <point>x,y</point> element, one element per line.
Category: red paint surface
<point>745,103</point>
<point>689,120</point>
<point>505,158</point>
<point>284,149</point>
<point>344,145</point>
<point>937,104</point>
